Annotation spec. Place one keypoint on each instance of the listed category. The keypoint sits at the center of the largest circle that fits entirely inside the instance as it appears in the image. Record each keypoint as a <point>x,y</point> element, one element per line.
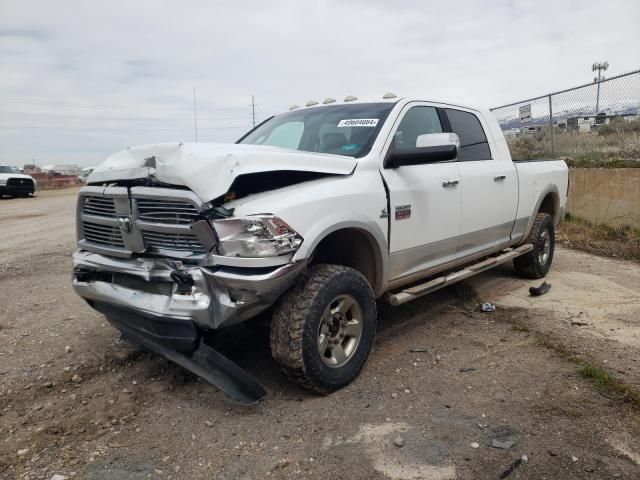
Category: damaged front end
<point>150,261</point>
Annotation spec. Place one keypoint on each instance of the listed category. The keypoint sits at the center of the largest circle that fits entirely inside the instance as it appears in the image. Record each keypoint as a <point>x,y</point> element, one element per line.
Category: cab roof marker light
<point>328,100</point>
<point>293,107</point>
<point>389,95</point>
<point>311,103</point>
<point>350,98</point>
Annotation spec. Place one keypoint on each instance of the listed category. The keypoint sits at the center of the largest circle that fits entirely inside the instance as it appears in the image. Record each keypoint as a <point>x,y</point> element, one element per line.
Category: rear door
<point>488,185</point>
<point>424,199</point>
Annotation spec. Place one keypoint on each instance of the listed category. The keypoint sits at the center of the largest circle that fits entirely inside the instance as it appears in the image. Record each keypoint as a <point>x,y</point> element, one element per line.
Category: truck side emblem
<point>403,212</point>
<point>383,213</point>
<point>125,224</point>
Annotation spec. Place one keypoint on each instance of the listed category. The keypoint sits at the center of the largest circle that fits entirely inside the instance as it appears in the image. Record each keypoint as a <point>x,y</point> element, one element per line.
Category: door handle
<point>499,178</point>
<point>450,183</point>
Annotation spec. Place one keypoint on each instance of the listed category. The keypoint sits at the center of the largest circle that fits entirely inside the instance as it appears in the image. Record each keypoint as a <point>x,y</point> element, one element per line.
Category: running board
<point>418,291</point>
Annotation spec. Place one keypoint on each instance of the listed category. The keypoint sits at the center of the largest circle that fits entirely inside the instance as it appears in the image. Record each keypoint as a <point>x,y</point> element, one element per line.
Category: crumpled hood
<point>209,169</point>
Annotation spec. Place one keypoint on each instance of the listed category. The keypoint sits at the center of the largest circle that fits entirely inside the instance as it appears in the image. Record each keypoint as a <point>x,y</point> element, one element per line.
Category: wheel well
<point>551,205</point>
<point>351,248</point>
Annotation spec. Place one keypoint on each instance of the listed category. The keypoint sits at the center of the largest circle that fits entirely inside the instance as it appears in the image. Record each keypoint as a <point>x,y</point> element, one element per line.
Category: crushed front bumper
<point>219,296</point>
<point>143,298</point>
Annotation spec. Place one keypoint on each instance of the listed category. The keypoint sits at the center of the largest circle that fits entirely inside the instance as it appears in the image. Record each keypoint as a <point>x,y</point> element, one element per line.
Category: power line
<point>125,118</point>
<point>100,107</point>
<point>115,129</point>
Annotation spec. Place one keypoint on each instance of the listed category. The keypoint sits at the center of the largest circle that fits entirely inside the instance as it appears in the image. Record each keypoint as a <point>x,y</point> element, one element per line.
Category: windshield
<point>7,169</point>
<point>337,129</point>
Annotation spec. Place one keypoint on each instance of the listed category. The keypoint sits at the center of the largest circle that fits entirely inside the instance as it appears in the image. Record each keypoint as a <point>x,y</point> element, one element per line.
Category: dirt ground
<point>449,380</point>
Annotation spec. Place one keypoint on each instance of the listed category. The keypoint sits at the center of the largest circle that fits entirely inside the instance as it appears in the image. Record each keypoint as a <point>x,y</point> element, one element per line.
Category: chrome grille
<point>166,211</point>
<point>176,242</point>
<point>100,206</point>
<point>103,234</point>
<point>122,221</point>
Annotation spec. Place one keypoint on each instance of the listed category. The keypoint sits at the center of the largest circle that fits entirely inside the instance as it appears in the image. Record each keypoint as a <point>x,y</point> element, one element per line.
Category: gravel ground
<point>445,386</point>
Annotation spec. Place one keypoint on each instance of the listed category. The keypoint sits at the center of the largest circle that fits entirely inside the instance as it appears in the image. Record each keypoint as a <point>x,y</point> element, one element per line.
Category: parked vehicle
<point>317,212</point>
<point>14,183</point>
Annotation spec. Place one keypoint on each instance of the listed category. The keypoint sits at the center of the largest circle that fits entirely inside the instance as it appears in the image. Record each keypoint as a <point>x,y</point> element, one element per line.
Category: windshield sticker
<point>358,122</point>
<point>349,147</point>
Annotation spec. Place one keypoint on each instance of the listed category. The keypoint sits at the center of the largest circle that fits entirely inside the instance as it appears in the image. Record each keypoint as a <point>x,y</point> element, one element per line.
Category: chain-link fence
<point>596,124</point>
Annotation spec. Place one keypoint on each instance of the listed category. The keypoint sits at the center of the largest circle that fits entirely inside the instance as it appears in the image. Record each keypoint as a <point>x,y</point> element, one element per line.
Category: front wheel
<point>322,330</point>
<point>536,263</point>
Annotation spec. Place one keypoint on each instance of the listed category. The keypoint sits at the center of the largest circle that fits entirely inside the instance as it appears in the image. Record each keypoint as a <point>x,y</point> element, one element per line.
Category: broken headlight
<point>255,237</point>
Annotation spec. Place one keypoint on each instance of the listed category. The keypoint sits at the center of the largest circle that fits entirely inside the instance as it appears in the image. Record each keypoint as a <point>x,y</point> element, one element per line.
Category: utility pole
<point>253,111</point>
<point>195,117</point>
<point>600,67</point>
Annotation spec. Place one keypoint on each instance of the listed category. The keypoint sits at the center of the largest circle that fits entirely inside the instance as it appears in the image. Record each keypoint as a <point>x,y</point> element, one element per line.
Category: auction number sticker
<point>358,122</point>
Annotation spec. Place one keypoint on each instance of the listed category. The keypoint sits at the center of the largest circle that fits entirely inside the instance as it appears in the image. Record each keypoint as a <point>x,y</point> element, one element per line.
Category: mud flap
<point>213,367</point>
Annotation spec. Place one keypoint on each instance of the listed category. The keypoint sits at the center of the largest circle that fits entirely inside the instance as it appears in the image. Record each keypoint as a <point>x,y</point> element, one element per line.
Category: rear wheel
<point>323,328</point>
<point>536,263</point>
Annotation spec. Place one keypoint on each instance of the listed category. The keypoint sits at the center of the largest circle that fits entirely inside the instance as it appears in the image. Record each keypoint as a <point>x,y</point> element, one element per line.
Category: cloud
<point>83,79</point>
<point>32,33</point>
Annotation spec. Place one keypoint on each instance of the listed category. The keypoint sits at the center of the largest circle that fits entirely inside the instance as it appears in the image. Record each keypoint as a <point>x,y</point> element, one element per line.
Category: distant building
<point>531,130</point>
<point>61,170</point>
<point>587,123</point>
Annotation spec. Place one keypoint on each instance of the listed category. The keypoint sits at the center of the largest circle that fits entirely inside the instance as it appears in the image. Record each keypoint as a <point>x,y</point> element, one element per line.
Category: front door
<point>425,200</point>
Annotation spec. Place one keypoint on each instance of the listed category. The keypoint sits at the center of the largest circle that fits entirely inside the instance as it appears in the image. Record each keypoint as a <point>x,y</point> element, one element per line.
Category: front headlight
<point>255,237</point>
<point>3,181</point>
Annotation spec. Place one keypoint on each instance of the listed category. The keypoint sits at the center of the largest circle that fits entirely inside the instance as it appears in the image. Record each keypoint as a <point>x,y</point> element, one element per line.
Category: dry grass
<point>616,145</point>
<point>618,242</point>
<point>608,385</point>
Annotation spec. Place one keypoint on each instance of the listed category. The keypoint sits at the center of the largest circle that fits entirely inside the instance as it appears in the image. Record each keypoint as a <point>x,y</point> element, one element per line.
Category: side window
<point>417,121</point>
<point>286,135</point>
<point>473,141</point>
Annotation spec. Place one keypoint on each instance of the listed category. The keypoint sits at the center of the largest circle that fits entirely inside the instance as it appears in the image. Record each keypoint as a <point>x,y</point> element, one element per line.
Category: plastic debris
<point>541,290</point>
<point>488,307</point>
<point>503,444</point>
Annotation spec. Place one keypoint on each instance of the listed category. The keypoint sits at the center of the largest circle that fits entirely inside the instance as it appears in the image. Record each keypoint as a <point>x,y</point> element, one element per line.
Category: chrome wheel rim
<point>340,331</point>
<point>545,240</point>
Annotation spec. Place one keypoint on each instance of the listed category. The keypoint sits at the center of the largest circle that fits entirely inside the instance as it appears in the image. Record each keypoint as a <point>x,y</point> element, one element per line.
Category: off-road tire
<point>296,321</point>
<point>530,264</point>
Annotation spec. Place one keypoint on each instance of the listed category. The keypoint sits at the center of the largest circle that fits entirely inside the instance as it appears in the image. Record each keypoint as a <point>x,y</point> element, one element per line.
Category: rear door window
<point>473,141</point>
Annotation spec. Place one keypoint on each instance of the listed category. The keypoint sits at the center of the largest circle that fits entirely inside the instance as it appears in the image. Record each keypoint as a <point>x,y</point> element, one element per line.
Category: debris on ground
<point>475,445</point>
<point>578,324</point>
<point>467,369</point>
<point>398,441</point>
<point>419,350</point>
<point>503,444</point>
<point>487,307</point>
<point>541,290</point>
<point>511,469</point>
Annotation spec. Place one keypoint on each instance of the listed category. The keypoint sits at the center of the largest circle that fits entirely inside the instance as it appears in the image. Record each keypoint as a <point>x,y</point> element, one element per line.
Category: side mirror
<point>430,148</point>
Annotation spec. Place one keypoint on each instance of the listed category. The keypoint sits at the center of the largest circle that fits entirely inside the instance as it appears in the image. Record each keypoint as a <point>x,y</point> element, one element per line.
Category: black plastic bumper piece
<point>180,342</point>
<point>173,333</point>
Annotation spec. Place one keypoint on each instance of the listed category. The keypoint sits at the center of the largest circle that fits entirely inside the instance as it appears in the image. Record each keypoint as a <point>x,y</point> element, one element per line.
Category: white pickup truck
<point>14,183</point>
<point>315,214</point>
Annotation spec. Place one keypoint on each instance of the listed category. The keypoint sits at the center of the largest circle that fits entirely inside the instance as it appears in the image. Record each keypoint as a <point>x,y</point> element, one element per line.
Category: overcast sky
<point>80,80</point>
